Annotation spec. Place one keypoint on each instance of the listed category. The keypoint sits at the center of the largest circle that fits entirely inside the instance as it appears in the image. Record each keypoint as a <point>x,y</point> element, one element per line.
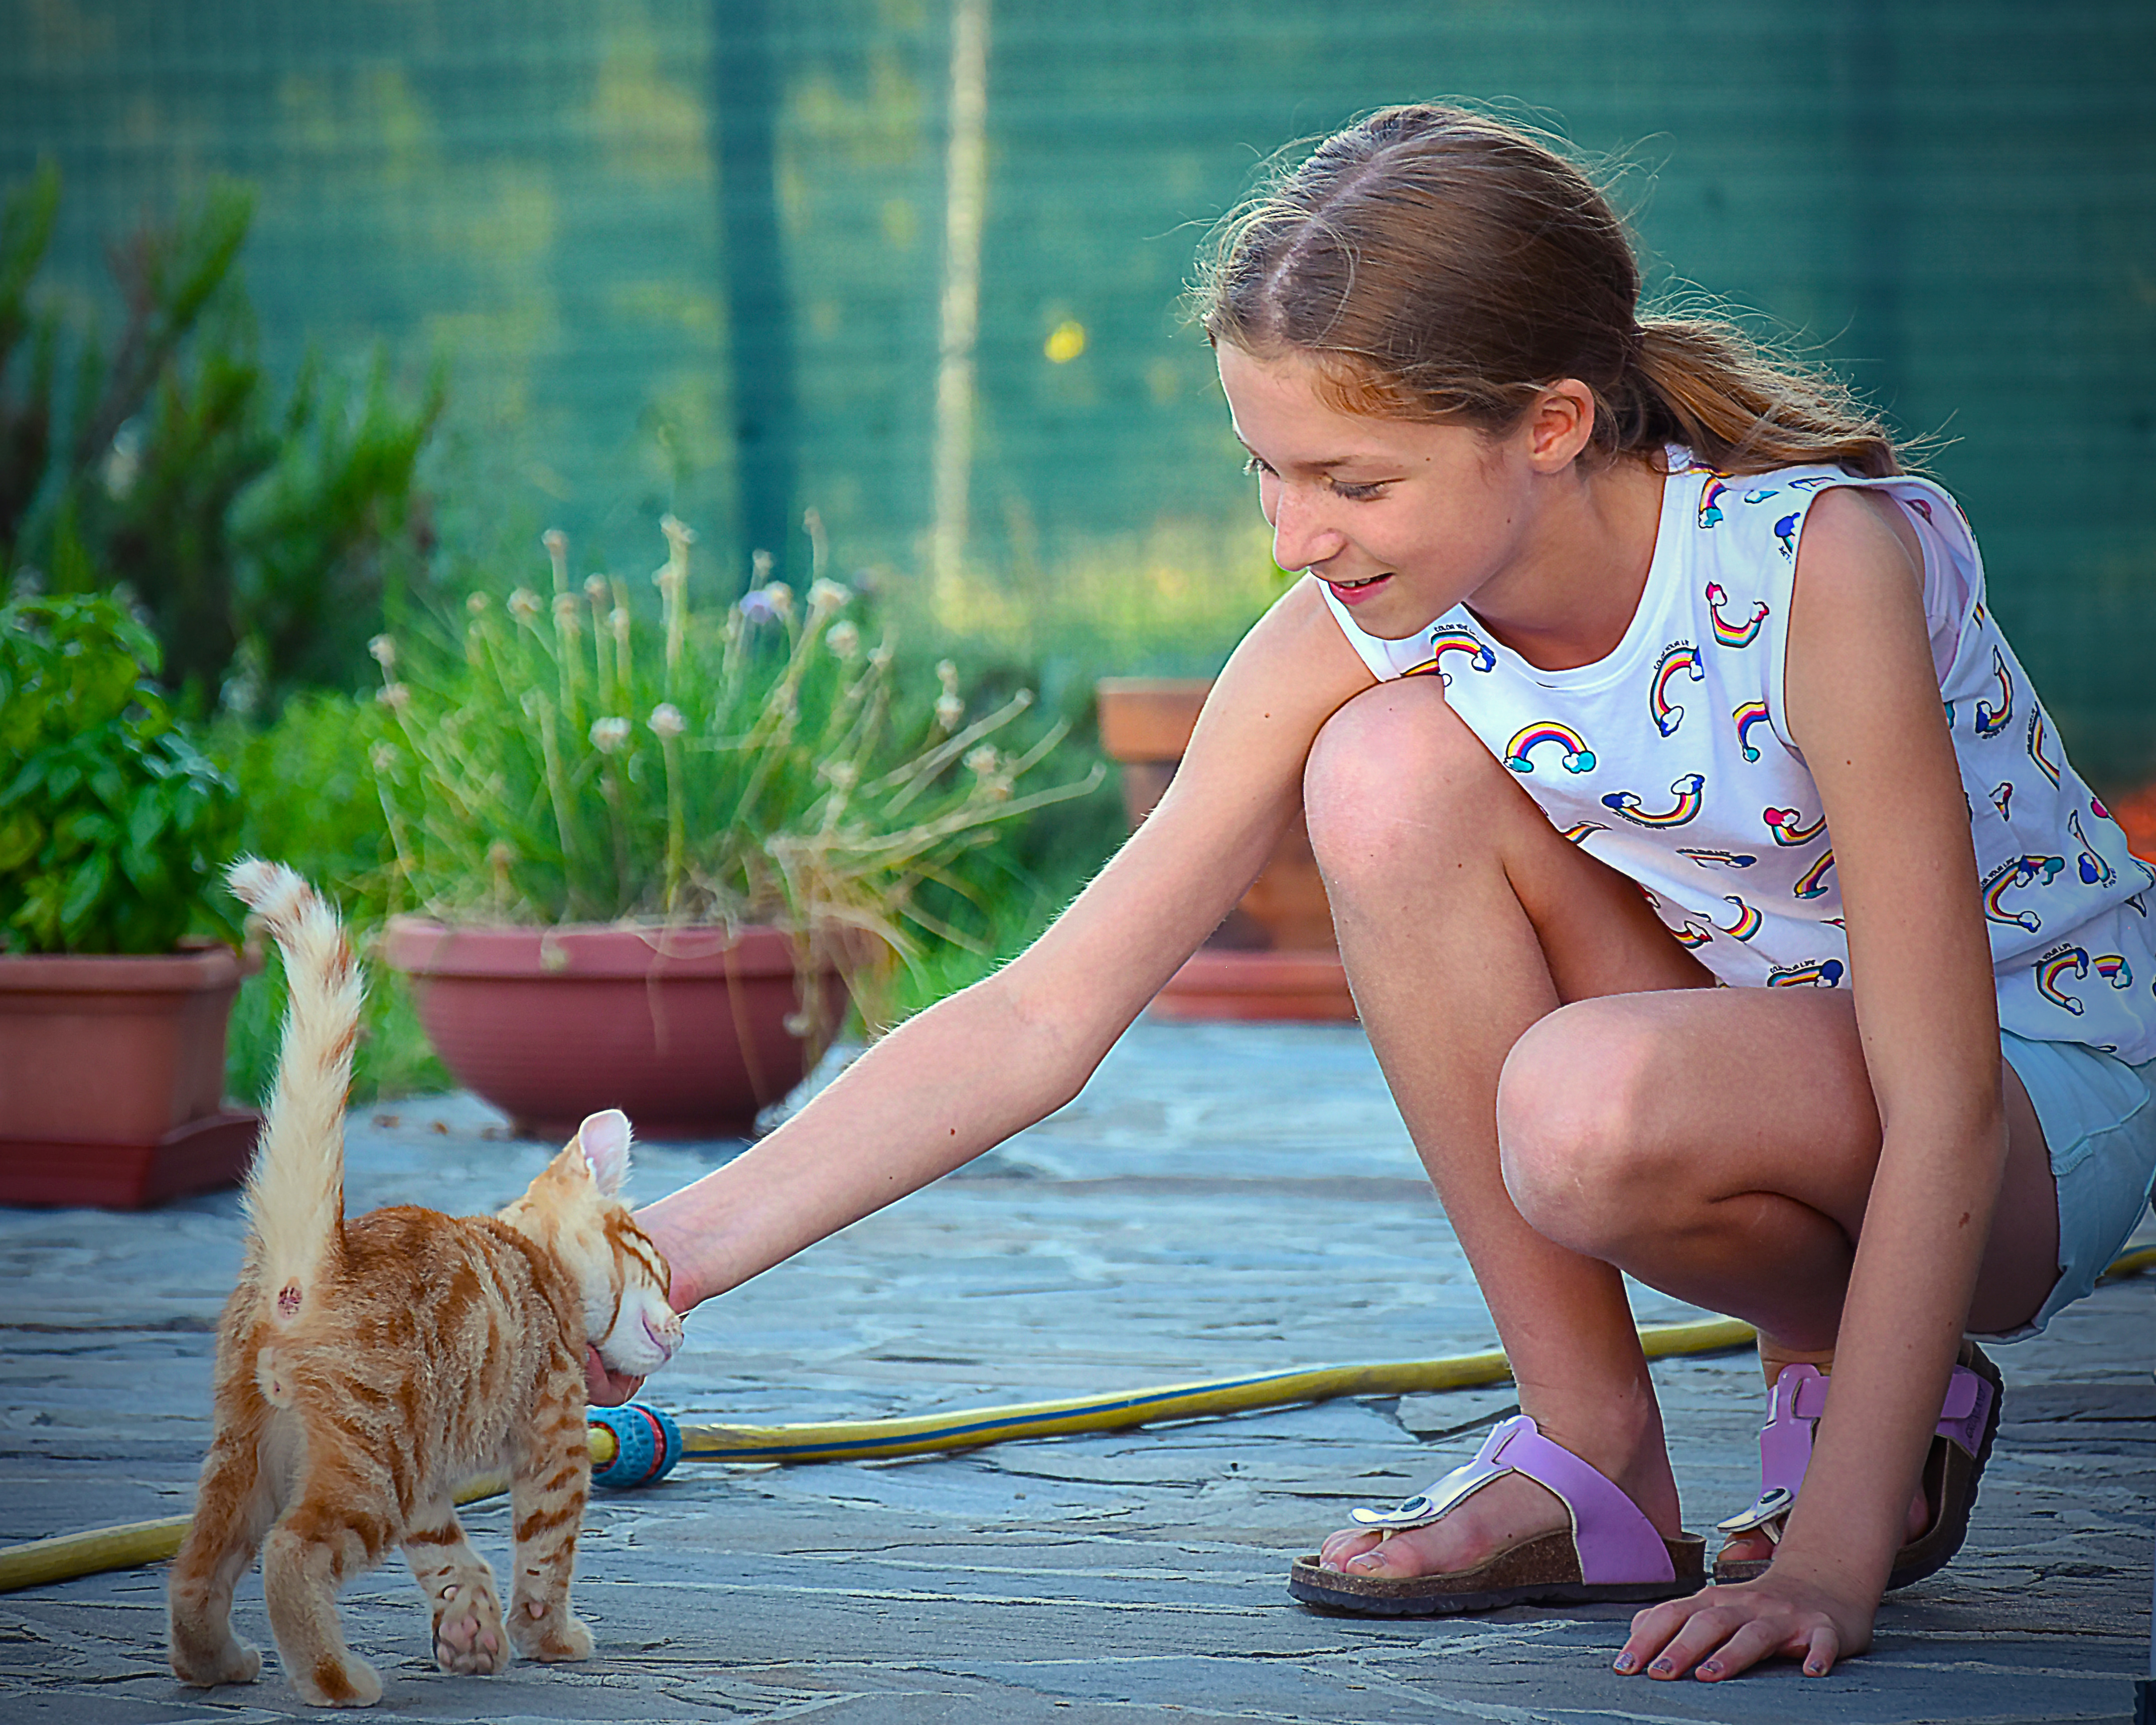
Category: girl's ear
<point>604,1140</point>
<point>1560,423</point>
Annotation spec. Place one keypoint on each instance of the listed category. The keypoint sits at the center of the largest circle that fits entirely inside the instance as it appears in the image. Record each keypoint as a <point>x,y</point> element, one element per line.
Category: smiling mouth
<point>1366,580</point>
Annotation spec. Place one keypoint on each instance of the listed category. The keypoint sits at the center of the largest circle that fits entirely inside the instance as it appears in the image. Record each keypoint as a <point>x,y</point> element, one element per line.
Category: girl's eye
<point>1254,465</point>
<point>1356,494</point>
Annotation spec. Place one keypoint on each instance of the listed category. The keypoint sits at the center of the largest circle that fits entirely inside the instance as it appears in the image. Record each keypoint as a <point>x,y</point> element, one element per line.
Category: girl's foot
<point>1504,1513</point>
<point>1507,1512</point>
<point>1527,1521</point>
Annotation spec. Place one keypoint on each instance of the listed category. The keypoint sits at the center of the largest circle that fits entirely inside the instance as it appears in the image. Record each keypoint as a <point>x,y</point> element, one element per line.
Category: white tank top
<point>1670,761</point>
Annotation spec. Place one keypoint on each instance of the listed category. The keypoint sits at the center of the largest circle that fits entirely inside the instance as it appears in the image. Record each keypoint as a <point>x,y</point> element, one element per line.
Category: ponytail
<point>1704,384</point>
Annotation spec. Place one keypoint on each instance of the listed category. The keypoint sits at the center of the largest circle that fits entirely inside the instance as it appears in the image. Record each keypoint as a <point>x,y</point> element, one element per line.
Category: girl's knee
<point>1388,771</point>
<point>1577,1106</point>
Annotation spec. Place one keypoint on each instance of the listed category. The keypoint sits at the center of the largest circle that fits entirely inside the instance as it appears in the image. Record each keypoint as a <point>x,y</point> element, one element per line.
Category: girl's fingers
<point>1753,1642</point>
<point>1705,1630</point>
<point>1651,1630</point>
<point>1723,1631</point>
<point>1825,1649</point>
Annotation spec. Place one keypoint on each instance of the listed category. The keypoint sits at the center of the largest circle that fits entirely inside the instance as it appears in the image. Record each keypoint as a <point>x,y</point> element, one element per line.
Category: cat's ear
<point>604,1140</point>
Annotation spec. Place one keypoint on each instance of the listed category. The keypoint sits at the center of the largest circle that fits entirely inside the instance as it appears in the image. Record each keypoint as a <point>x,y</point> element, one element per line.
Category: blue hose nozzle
<point>647,1443</point>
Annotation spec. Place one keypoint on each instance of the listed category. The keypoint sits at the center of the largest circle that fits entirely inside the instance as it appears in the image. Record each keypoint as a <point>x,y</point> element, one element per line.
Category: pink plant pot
<point>686,1030</point>
<point>112,1077</point>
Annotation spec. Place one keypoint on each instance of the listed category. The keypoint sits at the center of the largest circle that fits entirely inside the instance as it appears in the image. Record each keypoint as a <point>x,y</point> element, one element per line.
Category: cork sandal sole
<point>1542,1571</point>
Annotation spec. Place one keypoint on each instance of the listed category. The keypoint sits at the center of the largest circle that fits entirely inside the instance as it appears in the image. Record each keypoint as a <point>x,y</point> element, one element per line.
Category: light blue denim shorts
<point>2100,1126</point>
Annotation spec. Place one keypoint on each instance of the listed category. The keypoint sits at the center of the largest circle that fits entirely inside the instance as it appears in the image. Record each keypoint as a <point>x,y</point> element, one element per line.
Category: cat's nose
<point>665,1332</point>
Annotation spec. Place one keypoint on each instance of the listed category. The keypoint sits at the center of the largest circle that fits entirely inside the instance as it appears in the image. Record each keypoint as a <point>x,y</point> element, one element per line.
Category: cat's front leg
<point>469,1640</point>
<point>551,1475</point>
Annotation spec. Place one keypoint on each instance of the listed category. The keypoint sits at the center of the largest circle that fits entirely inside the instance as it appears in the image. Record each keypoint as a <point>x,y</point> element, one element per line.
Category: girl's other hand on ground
<point>604,1386</point>
<point>1723,1631</point>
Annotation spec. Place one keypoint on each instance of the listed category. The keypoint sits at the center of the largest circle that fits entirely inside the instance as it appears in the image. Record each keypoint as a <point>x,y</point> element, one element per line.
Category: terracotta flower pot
<point>1274,957</point>
<point>112,1078</point>
<point>686,1032</point>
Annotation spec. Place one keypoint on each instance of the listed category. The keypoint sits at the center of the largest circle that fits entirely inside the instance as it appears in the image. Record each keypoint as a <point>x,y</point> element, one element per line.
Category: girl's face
<point>1402,520</point>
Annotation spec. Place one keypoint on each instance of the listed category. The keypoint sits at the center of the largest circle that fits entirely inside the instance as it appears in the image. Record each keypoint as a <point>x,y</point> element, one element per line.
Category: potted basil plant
<point>117,959</point>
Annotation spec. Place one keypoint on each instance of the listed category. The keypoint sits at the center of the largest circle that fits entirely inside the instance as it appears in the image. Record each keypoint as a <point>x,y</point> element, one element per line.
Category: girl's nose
<point>1302,536</point>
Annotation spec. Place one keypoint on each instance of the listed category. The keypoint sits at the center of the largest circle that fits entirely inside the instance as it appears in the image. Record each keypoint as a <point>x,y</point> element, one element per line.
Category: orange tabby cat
<point>364,1369</point>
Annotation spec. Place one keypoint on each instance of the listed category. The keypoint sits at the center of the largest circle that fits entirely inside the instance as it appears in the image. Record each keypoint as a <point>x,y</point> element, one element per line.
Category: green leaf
<point>84,888</point>
<point>146,819</point>
<point>20,835</point>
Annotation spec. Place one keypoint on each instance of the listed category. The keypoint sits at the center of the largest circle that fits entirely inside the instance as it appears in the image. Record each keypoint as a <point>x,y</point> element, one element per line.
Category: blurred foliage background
<point>453,271</point>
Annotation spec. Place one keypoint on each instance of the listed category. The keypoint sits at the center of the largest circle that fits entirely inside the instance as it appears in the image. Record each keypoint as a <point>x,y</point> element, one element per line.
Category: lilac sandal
<point>1611,1552</point>
<point>1969,1420</point>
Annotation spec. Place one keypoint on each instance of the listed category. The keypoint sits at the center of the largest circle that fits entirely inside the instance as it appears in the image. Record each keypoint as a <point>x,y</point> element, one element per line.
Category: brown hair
<point>1446,265</point>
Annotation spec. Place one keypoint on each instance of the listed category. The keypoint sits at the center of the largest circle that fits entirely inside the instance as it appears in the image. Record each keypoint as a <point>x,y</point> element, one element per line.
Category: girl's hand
<point>1723,1630</point>
<point>604,1386</point>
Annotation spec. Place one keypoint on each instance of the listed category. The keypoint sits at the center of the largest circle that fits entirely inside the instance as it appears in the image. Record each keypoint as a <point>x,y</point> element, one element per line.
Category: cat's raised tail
<point>294,1194</point>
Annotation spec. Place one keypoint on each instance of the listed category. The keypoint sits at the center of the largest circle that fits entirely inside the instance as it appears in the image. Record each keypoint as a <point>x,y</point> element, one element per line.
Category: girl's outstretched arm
<point>1863,704</point>
<point>963,1076</point>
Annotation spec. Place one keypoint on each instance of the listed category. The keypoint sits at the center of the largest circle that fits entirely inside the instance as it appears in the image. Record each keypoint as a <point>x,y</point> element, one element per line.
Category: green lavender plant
<point>569,761</point>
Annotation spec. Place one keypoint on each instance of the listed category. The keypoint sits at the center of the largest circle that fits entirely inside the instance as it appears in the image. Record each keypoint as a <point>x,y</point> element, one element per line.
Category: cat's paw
<point>199,1668</point>
<point>337,1681</point>
<point>468,1638</point>
<point>549,1633</point>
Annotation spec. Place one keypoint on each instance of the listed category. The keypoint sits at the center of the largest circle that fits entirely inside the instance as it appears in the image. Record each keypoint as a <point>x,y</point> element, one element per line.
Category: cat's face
<point>573,1210</point>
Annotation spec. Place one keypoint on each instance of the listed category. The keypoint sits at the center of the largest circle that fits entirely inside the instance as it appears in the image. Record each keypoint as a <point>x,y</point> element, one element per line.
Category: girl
<point>1668,775</point>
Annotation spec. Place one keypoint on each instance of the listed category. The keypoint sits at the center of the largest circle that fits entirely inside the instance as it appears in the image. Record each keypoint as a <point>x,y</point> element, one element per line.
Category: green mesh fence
<point>696,256</point>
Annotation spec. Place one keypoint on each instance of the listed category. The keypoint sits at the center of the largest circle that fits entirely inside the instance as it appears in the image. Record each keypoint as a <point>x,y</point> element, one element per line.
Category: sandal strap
<point>1794,1406</point>
<point>1614,1541</point>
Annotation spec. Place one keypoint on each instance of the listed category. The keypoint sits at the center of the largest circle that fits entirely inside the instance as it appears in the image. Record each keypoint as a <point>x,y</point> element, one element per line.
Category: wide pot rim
<point>425,947</point>
<point>196,967</point>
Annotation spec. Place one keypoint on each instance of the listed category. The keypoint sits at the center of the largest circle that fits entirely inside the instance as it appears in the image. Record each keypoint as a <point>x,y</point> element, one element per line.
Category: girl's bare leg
<point>1464,918</point>
<point>1717,1143</point>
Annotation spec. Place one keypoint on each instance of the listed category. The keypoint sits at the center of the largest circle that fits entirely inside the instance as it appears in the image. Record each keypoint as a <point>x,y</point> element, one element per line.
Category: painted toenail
<point>1663,1664</point>
<point>1626,1664</point>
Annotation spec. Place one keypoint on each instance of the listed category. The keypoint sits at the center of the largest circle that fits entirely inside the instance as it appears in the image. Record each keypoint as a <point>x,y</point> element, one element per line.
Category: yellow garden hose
<point>39,1562</point>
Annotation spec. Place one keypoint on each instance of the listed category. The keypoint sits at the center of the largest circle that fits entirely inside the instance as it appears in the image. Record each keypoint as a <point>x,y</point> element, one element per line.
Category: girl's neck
<point>1569,600</point>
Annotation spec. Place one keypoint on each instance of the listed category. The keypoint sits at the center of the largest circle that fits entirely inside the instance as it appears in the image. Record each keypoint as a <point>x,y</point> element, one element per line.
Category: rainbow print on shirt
<point>2037,739</point>
<point>1812,883</point>
<point>1819,973</point>
<point>1753,713</point>
<point>2009,876</point>
<point>1990,721</point>
<point>2093,869</point>
<point>1707,859</point>
<point>1749,919</point>
<point>1578,832</point>
<point>1454,638</point>
<point>1710,501</point>
<point>1577,756</point>
<point>1785,531</point>
<point>1687,790</point>
<point>1788,826</point>
<point>2115,970</point>
<point>1734,634</point>
<point>1689,934</point>
<point>1681,659</point>
<point>2052,970</point>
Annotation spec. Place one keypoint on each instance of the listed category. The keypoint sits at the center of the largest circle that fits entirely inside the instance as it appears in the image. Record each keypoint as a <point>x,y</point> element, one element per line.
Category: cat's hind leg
<point>340,1528</point>
<point>470,1639</point>
<point>550,1477</point>
<point>233,1506</point>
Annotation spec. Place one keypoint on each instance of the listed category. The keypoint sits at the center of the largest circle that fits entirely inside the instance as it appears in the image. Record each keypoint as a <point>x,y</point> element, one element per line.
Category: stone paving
<point>1222,1200</point>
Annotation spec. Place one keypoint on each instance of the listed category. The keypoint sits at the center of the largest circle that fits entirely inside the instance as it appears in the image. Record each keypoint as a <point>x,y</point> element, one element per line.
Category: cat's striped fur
<point>366,1368</point>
